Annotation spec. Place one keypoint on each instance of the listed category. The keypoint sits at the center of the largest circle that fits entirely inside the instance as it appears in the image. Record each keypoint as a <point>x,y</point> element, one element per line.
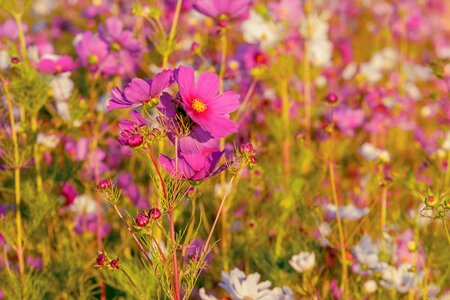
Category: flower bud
<point>431,200</point>
<point>104,184</point>
<point>101,259</point>
<point>154,213</point>
<point>247,148</point>
<point>135,140</point>
<point>115,264</point>
<point>195,46</point>
<point>15,60</point>
<point>142,220</point>
<point>332,98</point>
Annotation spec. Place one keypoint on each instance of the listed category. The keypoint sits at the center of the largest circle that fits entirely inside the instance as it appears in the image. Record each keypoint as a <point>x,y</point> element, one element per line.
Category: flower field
<point>224,149</point>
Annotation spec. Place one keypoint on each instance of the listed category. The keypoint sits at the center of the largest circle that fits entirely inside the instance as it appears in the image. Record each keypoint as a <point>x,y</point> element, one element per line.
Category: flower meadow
<point>224,149</point>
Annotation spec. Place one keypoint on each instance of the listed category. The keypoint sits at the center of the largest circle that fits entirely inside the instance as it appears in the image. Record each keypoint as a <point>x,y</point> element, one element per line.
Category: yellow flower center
<point>198,105</point>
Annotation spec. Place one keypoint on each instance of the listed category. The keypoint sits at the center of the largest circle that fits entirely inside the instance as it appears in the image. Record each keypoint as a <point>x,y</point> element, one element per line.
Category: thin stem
<point>446,231</point>
<point>173,30</point>
<point>307,90</point>
<point>141,247</point>
<point>37,156</point>
<point>383,213</point>
<point>132,282</point>
<point>218,213</point>
<point>20,250</point>
<point>23,46</point>
<point>223,58</point>
<point>286,128</point>
<point>340,228</point>
<point>245,103</point>
<point>175,260</point>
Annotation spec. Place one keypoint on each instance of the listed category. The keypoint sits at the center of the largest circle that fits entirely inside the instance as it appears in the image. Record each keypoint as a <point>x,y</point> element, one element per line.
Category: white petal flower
<point>347,212</point>
<point>241,287</point>
<point>258,30</point>
<point>303,261</point>
<point>62,86</point>
<point>48,140</point>
<point>83,204</point>
<point>370,286</point>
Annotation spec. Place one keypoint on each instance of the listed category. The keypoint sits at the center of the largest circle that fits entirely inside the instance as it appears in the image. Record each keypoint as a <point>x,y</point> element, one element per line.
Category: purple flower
<point>232,9</point>
<point>9,29</point>
<point>88,223</point>
<point>56,65</point>
<point>348,120</point>
<point>139,91</point>
<point>34,262</point>
<point>92,50</point>
<point>118,38</point>
<point>194,166</point>
<point>69,193</point>
<point>201,102</point>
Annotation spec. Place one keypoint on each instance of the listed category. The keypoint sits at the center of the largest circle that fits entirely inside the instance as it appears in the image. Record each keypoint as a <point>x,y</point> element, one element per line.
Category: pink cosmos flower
<point>233,9</point>
<point>194,166</point>
<point>92,50</point>
<point>56,65</point>
<point>130,128</point>
<point>203,105</point>
<point>140,91</point>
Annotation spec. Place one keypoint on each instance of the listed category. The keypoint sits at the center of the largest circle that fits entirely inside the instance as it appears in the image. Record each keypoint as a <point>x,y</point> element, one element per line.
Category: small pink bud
<point>15,60</point>
<point>101,259</point>
<point>142,220</point>
<point>115,264</point>
<point>253,159</point>
<point>104,184</point>
<point>247,148</point>
<point>223,23</point>
<point>194,46</point>
<point>154,213</point>
<point>135,140</point>
<point>332,98</point>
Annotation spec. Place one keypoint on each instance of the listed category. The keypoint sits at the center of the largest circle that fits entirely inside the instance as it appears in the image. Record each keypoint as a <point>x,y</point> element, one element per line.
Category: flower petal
<point>218,126</point>
<point>224,104</point>
<point>160,82</point>
<point>138,90</point>
<point>186,83</point>
<point>207,86</point>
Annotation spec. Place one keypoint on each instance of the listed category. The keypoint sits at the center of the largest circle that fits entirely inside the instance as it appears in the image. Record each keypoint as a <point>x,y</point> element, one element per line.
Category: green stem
<point>132,282</point>
<point>20,250</point>
<point>223,58</point>
<point>171,38</point>
<point>307,90</point>
<point>37,156</point>
<point>339,224</point>
<point>383,214</point>
<point>23,46</point>
<point>446,231</point>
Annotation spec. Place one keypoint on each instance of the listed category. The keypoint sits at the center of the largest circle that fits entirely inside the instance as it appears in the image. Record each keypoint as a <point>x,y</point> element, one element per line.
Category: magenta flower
<point>194,166</point>
<point>348,120</point>
<point>139,91</point>
<point>203,105</point>
<point>231,9</point>
<point>118,38</point>
<point>57,65</point>
<point>92,50</point>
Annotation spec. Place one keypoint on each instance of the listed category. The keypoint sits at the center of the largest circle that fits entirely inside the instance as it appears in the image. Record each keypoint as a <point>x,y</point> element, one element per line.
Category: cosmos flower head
<point>194,166</point>
<point>224,10</point>
<point>139,91</point>
<point>52,64</point>
<point>201,102</point>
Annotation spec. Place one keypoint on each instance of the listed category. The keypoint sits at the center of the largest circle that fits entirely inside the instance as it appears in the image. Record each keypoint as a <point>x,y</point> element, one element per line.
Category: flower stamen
<point>198,105</point>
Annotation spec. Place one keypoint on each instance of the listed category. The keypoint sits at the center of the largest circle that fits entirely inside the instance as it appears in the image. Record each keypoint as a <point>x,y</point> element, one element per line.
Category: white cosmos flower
<point>83,204</point>
<point>5,60</point>
<point>370,152</point>
<point>62,86</point>
<point>242,287</point>
<point>370,286</point>
<point>400,278</point>
<point>347,212</point>
<point>48,140</point>
<point>258,30</point>
<point>367,252</point>
<point>303,261</point>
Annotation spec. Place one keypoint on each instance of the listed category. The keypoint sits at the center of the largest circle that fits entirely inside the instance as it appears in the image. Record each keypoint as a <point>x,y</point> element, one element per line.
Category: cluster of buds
<point>103,261</point>
<point>142,219</point>
<point>111,193</point>
<point>436,207</point>
<point>247,155</point>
